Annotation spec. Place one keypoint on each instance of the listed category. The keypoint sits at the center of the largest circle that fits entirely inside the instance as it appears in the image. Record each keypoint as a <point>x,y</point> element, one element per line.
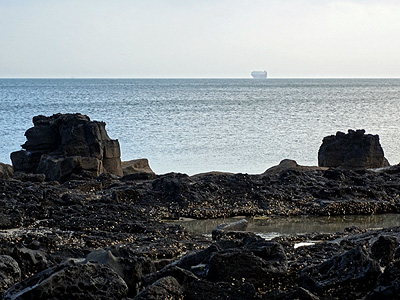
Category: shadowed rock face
<point>90,281</point>
<point>65,144</point>
<point>354,150</point>
<point>352,270</point>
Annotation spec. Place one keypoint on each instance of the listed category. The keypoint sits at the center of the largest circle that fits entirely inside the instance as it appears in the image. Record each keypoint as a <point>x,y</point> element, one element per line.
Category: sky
<point>199,39</point>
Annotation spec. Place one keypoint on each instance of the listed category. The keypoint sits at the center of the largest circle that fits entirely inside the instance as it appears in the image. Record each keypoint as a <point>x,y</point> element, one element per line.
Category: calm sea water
<point>199,125</point>
<point>271,227</point>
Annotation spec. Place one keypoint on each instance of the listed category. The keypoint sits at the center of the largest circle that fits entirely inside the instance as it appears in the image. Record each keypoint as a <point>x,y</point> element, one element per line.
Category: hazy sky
<point>204,38</point>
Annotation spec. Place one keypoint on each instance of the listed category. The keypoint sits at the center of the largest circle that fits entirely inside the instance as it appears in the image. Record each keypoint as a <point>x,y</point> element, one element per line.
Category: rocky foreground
<point>77,223</point>
<point>103,237</point>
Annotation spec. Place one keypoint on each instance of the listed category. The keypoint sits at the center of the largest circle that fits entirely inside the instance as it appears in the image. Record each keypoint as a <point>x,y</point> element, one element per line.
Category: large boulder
<point>354,150</point>
<point>65,144</point>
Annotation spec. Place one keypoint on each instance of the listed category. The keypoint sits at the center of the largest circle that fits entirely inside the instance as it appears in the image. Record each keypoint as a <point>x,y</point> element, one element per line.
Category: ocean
<point>199,125</point>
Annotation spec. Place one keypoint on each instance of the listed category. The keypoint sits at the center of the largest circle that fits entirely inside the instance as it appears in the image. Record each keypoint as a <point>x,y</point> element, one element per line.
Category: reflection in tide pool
<point>270,227</point>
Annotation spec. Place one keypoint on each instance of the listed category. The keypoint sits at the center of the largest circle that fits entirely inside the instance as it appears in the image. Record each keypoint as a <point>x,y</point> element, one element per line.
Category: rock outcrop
<point>6,171</point>
<point>137,169</point>
<point>104,238</point>
<point>355,150</point>
<point>290,164</point>
<point>65,144</point>
<point>136,166</point>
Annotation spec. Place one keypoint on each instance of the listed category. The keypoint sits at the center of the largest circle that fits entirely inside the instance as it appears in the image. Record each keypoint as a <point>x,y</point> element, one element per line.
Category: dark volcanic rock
<point>71,281</point>
<point>232,265</point>
<point>184,277</point>
<point>31,261</point>
<point>130,268</point>
<point>383,250</point>
<point>248,258</point>
<point>205,290</point>
<point>388,284</point>
<point>164,288</point>
<point>66,144</point>
<point>355,150</point>
<point>306,295</point>
<point>101,237</point>
<point>9,272</point>
<point>193,259</point>
<point>345,276</point>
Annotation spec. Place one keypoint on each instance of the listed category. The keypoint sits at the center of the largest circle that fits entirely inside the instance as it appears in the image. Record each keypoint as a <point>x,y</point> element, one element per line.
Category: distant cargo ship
<point>259,74</point>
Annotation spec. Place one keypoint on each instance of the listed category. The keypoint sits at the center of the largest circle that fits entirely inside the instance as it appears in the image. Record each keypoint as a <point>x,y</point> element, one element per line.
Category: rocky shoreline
<point>48,227</point>
<point>102,236</point>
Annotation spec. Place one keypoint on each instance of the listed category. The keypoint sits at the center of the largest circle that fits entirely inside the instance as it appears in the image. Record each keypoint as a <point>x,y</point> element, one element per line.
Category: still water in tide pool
<point>199,125</point>
<point>270,227</point>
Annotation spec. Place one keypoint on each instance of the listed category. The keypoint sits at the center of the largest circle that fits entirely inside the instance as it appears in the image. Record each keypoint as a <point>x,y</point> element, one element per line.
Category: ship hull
<point>259,74</point>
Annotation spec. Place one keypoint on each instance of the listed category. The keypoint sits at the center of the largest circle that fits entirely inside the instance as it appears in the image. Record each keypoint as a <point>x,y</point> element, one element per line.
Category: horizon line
<point>77,77</point>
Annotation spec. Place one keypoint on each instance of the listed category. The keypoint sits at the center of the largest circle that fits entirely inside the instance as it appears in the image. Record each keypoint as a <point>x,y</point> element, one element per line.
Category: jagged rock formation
<point>355,150</point>
<point>65,144</point>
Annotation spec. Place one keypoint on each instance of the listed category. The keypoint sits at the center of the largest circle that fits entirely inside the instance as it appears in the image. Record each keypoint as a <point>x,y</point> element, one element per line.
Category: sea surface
<point>200,125</point>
